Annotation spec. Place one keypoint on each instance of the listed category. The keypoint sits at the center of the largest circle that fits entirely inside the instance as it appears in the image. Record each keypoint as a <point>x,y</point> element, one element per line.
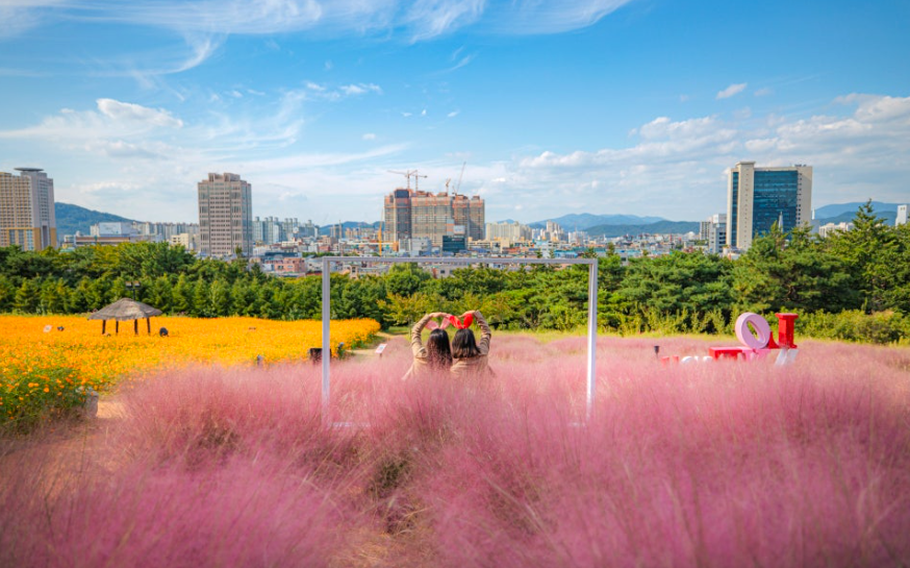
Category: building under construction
<point>412,214</point>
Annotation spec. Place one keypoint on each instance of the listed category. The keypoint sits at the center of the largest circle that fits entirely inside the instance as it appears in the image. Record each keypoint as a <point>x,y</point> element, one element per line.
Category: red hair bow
<point>468,320</point>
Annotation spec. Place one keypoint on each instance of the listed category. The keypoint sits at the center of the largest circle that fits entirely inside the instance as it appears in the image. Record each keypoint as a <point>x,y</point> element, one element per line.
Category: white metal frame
<point>327,312</point>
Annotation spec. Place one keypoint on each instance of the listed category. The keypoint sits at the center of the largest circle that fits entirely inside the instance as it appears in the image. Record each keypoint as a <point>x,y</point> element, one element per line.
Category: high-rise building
<point>757,198</point>
<point>225,216</point>
<point>27,210</point>
<point>469,213</point>
<point>714,232</point>
<point>901,218</point>
<point>410,213</point>
<point>267,231</point>
<point>512,232</point>
<point>289,228</point>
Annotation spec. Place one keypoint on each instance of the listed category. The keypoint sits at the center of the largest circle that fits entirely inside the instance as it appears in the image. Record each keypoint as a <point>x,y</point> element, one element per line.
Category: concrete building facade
<point>759,197</point>
<point>225,216</point>
<point>27,214</point>
<point>513,232</point>
<point>713,231</point>
<point>414,214</point>
<point>901,218</point>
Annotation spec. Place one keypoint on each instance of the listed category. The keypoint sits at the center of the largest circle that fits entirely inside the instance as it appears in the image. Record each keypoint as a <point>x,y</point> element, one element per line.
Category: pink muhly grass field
<point>717,464</point>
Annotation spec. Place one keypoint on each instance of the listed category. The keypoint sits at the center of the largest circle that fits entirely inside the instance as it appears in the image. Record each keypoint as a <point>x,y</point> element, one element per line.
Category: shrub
<point>856,326</point>
<point>34,391</point>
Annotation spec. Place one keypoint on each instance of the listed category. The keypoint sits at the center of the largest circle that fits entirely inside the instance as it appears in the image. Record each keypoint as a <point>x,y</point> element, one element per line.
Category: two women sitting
<point>465,358</point>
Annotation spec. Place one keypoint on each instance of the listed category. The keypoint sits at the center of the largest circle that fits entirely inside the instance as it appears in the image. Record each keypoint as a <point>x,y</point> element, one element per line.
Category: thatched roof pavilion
<point>126,309</point>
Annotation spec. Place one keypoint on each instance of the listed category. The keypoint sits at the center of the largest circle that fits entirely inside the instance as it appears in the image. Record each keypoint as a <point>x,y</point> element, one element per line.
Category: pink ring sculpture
<point>762,329</point>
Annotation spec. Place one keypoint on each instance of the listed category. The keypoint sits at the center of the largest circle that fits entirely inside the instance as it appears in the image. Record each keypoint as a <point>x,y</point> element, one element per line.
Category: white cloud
<point>360,89</point>
<point>670,167</point>
<point>764,92</point>
<point>204,25</point>
<point>525,17</point>
<point>130,111</point>
<point>431,18</point>
<point>453,114</point>
<point>368,136</point>
<point>732,90</point>
<point>675,168</point>
<point>418,19</point>
<point>463,62</point>
<point>20,16</point>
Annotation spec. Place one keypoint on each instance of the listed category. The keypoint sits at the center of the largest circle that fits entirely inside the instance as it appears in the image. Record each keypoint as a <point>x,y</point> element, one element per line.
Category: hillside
<point>327,229</point>
<point>660,227</point>
<point>584,221</point>
<point>847,217</point>
<point>72,218</point>
<point>838,210</point>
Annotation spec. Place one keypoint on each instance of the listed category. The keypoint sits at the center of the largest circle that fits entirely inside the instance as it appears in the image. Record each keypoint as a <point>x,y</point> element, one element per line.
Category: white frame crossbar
<point>327,312</point>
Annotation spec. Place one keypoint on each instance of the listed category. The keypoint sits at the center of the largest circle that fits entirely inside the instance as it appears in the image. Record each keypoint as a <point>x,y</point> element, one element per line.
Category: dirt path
<point>381,339</point>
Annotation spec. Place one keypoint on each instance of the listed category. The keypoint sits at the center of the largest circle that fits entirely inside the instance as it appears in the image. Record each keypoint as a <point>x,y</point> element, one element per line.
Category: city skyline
<point>602,106</point>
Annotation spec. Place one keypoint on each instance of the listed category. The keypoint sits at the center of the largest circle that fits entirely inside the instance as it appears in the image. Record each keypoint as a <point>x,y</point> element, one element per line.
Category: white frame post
<point>326,344</point>
<point>592,307</point>
<point>592,335</point>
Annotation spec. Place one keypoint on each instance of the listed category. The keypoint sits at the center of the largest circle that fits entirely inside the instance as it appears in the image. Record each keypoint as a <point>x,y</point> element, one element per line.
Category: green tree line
<point>856,274</point>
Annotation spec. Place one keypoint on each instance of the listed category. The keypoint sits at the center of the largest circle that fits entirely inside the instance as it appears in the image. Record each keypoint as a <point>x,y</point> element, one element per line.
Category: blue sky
<point>600,106</point>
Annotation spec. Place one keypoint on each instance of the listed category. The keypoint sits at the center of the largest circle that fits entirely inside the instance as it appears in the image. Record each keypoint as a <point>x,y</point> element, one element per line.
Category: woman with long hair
<point>469,358</point>
<point>436,356</point>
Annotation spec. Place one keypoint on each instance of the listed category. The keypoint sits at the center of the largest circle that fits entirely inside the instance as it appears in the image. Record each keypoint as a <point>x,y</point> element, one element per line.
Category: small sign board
<point>380,348</point>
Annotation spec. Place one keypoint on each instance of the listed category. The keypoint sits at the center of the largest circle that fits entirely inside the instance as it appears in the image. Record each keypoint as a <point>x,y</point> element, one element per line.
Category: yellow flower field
<point>37,365</point>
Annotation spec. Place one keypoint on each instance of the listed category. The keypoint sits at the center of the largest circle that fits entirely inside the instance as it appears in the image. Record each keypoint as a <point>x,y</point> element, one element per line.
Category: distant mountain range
<point>845,212</point>
<point>888,216</point>
<point>660,227</point>
<point>72,218</point>
<point>585,221</point>
<point>327,229</point>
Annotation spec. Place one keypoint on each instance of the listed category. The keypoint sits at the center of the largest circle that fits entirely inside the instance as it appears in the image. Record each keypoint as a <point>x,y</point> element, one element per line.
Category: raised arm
<point>485,333</point>
<point>417,348</point>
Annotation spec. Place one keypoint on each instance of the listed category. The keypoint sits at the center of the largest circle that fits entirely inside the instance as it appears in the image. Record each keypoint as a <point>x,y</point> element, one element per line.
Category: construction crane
<point>409,174</point>
<point>458,187</point>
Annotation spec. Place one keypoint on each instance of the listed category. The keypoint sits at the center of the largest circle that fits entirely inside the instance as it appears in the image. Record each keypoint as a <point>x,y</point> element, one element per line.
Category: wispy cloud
<point>204,25</point>
<point>20,16</point>
<point>462,62</point>
<point>113,119</point>
<point>732,90</point>
<point>526,17</point>
<point>430,18</point>
<point>418,19</point>
<point>143,161</point>
<point>681,164</point>
<point>128,111</point>
<point>360,89</point>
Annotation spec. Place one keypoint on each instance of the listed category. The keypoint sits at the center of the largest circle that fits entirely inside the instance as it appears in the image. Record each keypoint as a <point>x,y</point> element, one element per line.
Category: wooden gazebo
<point>126,309</point>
